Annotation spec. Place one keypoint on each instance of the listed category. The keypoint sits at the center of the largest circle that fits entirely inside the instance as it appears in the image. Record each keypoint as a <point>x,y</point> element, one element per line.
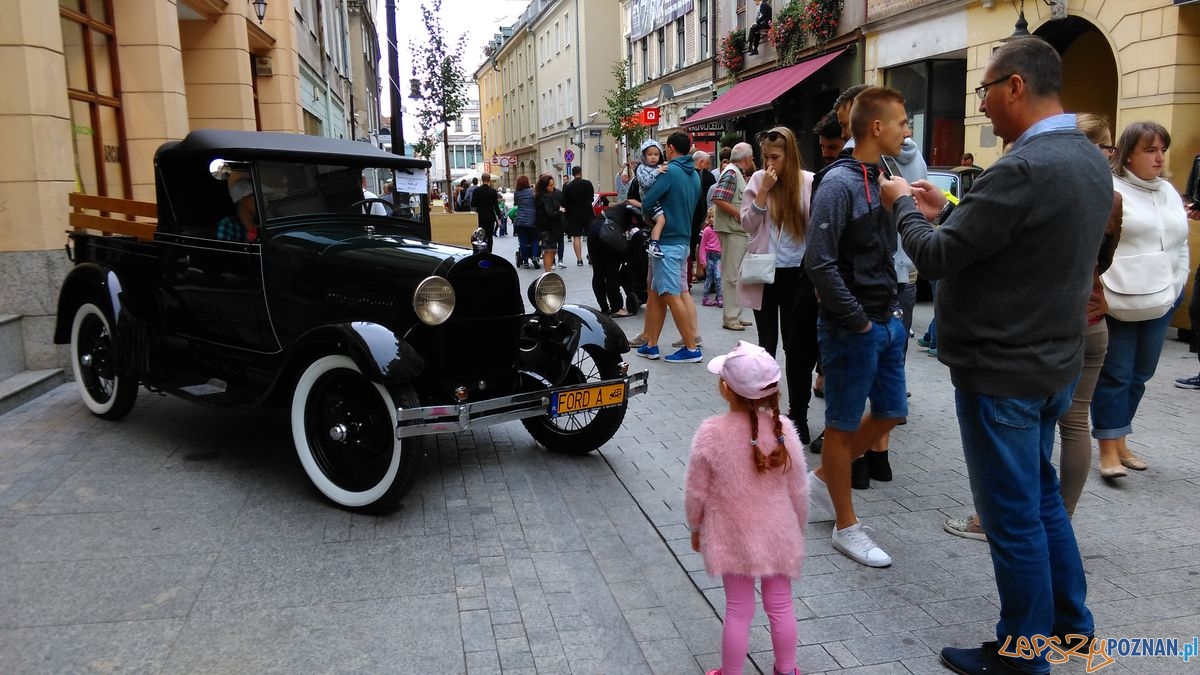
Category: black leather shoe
<point>815,446</point>
<point>860,474</point>
<point>877,463</point>
<point>983,660</point>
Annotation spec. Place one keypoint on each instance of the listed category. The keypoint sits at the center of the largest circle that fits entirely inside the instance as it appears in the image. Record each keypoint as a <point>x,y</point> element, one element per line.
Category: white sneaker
<point>857,546</point>
<point>818,495</point>
<point>562,265</point>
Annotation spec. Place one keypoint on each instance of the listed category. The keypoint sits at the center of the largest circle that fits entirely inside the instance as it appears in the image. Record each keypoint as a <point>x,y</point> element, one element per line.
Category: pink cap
<point>749,371</point>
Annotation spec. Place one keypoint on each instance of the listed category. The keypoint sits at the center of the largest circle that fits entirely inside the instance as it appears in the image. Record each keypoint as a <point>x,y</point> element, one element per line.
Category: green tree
<point>440,82</point>
<point>623,104</point>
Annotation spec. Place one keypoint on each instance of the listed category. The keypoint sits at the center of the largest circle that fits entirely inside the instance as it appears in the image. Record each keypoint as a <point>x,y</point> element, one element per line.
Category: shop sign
<point>647,15</point>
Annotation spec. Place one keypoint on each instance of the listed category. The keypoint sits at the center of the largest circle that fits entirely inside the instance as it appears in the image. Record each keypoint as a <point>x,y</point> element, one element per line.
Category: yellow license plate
<point>587,398</point>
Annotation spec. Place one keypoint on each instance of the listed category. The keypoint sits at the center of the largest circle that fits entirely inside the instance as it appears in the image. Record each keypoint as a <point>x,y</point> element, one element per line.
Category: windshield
<point>310,189</point>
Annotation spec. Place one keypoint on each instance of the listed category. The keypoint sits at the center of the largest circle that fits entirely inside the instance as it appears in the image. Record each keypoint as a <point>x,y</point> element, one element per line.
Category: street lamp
<point>260,8</point>
<point>575,138</point>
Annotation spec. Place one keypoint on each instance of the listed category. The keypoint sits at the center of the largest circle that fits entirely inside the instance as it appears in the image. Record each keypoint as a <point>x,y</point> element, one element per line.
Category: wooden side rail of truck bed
<point>112,215</point>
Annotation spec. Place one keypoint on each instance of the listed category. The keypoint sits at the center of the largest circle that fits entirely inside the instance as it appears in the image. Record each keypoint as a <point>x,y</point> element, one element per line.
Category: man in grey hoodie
<point>1015,260</point>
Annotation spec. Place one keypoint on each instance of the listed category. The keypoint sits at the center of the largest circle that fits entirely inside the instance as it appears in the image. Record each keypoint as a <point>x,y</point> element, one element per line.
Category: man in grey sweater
<point>1015,261</point>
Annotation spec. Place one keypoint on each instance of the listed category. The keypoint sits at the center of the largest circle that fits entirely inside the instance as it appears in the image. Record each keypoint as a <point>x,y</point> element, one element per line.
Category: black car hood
<point>344,244</point>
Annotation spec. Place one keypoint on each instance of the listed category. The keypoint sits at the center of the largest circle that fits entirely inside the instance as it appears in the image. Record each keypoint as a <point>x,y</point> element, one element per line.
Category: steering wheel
<point>372,200</point>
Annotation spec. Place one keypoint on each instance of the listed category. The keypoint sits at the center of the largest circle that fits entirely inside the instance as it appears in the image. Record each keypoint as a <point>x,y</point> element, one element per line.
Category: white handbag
<point>759,268</point>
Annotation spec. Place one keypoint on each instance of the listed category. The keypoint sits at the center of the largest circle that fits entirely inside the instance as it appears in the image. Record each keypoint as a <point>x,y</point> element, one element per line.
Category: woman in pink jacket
<point>746,499</point>
<point>775,208</point>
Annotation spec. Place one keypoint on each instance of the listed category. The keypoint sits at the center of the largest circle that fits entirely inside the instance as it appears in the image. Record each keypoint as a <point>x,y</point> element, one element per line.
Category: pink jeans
<point>739,609</point>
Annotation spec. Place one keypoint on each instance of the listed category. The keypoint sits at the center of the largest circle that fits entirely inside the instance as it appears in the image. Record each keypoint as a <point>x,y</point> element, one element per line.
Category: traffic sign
<point>568,155</point>
<point>599,148</point>
<point>649,116</point>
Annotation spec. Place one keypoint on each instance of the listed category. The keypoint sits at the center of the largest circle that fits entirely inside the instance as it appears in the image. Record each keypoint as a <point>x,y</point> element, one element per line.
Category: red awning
<point>759,92</point>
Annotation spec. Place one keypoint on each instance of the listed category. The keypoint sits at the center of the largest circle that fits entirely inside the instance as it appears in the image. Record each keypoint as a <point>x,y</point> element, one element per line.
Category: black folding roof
<point>208,144</point>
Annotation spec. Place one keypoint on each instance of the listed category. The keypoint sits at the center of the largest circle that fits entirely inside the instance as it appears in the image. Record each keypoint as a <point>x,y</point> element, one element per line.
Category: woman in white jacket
<point>1142,287</point>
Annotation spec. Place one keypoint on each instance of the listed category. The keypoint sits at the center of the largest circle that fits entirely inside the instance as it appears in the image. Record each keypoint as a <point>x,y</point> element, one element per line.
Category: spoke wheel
<point>344,428</point>
<point>582,432</point>
<point>104,392</point>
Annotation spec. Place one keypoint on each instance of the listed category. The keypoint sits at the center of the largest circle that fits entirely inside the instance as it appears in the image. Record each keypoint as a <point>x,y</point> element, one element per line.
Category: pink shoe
<point>708,302</point>
<point>720,302</point>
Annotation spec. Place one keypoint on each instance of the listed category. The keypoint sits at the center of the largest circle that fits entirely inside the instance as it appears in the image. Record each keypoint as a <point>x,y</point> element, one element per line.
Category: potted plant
<point>820,20</point>
<point>787,32</point>
<point>731,51</point>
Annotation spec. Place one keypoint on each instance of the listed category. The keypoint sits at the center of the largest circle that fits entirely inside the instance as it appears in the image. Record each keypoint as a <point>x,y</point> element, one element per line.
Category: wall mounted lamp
<point>260,8</point>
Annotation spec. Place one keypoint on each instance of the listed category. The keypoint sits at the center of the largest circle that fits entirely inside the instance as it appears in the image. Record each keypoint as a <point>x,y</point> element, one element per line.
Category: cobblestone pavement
<point>184,539</point>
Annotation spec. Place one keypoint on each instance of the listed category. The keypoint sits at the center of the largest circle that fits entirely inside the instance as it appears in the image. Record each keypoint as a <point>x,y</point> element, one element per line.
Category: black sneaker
<point>860,474</point>
<point>815,446</point>
<point>879,468</point>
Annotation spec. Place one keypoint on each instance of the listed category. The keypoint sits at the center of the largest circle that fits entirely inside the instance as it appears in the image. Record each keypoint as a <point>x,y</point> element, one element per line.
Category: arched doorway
<point>1090,76</point>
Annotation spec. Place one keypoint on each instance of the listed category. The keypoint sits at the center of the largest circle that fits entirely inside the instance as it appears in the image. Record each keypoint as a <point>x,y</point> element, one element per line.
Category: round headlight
<point>548,293</point>
<point>433,301</point>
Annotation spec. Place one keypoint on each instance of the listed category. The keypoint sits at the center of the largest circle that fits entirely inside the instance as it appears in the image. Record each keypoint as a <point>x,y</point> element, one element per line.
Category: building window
<point>646,59</point>
<point>97,122</point>
<point>704,29</point>
<point>741,13</point>
<point>474,125</point>
<point>557,38</point>
<point>570,99</point>
<point>680,44</point>
<point>566,29</point>
<point>662,51</point>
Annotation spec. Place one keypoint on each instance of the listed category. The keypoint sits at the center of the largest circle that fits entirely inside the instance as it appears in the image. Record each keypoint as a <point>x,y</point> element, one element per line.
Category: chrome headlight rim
<point>548,293</point>
<point>433,300</point>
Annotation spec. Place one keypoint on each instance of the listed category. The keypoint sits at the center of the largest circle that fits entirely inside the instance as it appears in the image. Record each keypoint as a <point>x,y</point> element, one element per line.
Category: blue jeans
<point>862,366</point>
<point>1133,351</point>
<point>1007,444</point>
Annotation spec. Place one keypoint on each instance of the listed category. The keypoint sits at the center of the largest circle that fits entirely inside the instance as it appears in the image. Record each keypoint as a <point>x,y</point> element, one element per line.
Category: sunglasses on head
<point>771,136</point>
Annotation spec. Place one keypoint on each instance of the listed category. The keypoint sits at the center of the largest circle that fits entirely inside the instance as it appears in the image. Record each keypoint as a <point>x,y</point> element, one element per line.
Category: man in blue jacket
<point>677,192</point>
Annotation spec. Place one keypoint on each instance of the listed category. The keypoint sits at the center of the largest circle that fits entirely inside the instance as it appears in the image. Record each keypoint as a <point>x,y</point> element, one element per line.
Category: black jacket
<point>577,197</point>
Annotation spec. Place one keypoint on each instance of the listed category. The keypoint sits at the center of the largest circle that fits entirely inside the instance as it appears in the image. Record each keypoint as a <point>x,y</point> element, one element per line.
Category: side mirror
<point>220,169</point>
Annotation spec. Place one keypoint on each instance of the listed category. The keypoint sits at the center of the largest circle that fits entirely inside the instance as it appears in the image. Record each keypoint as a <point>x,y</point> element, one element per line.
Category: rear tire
<point>344,429</point>
<point>93,361</point>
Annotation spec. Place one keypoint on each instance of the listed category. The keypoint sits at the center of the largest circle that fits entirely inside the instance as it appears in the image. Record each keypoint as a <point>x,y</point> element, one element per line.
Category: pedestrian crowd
<point>1049,314</point>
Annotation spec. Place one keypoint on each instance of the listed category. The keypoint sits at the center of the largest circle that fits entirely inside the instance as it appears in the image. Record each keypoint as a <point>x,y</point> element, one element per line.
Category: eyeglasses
<point>982,90</point>
<point>771,136</point>
<point>1107,149</point>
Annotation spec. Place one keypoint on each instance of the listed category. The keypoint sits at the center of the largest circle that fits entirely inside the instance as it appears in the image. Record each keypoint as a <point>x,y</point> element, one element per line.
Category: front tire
<point>344,429</point>
<point>93,361</point>
<point>582,432</point>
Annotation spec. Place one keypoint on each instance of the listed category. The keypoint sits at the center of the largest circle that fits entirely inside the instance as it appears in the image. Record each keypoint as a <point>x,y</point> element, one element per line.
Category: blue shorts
<point>667,272</point>
<point>862,366</point>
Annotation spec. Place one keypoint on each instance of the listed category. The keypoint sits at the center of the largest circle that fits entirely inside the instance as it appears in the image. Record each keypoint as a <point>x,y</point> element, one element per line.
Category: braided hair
<point>778,457</point>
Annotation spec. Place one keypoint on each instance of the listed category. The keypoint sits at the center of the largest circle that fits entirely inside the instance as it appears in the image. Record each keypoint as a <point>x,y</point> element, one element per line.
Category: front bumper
<point>440,419</point>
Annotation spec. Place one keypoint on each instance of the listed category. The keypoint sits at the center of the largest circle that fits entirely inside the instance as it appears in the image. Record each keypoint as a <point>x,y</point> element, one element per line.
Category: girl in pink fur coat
<point>746,498</point>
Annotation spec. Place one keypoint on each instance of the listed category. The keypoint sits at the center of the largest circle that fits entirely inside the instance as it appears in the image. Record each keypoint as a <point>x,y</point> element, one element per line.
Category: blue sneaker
<point>685,355</point>
<point>654,249</point>
<point>923,342</point>
<point>932,351</point>
<point>648,352</point>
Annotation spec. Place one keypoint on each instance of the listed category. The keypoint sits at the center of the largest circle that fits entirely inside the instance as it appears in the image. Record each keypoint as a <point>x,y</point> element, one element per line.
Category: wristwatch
<point>943,214</point>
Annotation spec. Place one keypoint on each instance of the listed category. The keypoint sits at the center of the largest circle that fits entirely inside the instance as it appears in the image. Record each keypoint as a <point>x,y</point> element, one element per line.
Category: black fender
<point>594,328</point>
<point>87,282</point>
<point>381,354</point>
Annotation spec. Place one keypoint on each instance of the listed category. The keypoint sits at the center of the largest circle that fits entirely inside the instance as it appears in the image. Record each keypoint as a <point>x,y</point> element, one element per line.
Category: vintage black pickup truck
<point>270,280</point>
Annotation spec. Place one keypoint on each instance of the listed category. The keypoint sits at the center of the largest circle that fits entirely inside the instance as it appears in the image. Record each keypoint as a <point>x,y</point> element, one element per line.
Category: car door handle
<point>184,261</point>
